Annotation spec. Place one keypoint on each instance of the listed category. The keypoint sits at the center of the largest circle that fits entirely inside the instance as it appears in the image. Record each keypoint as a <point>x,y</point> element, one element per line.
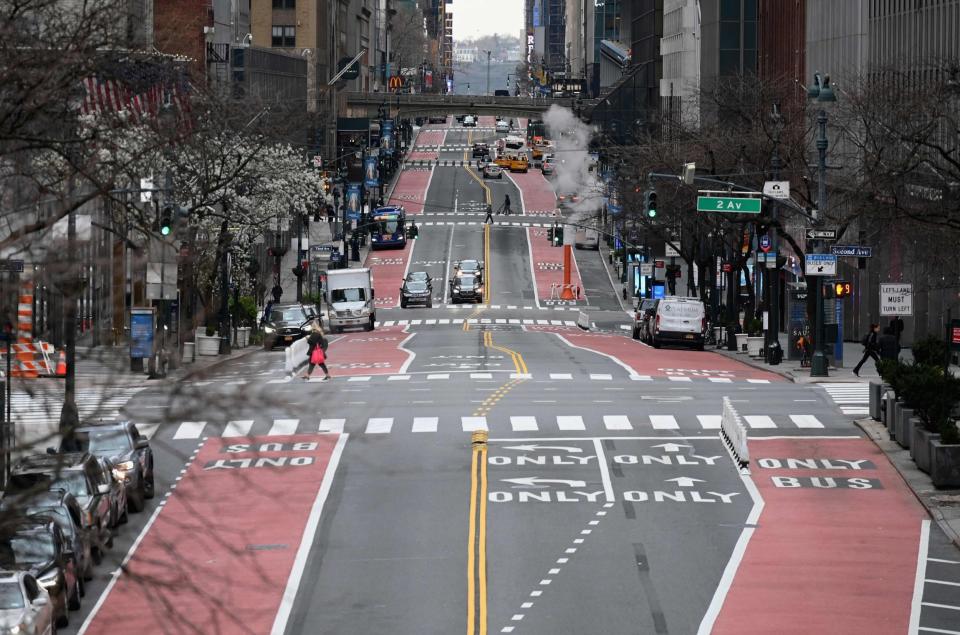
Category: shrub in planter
<point>892,372</point>
<point>930,351</point>
<point>245,311</point>
<point>933,395</point>
<point>754,327</point>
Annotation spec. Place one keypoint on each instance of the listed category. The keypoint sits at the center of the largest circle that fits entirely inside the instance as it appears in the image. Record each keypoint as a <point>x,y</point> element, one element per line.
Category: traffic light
<point>842,289</point>
<point>166,220</point>
<point>557,235</point>
<point>650,203</point>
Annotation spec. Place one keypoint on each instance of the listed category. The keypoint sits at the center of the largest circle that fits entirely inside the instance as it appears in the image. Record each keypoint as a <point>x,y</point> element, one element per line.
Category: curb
<point>786,374</point>
<point>190,373</point>
<point>875,432</point>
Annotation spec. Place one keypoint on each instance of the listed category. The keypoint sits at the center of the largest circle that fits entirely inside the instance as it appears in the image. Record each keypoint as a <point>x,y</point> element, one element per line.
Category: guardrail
<point>734,435</point>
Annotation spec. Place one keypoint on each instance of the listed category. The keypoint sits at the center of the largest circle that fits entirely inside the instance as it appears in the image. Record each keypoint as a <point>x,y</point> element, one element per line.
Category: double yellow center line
<point>477,558</point>
<point>518,363</point>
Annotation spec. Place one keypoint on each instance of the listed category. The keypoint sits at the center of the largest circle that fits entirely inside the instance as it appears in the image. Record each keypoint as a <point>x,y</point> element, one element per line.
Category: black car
<point>466,288</point>
<point>481,150</point>
<point>122,444</point>
<point>40,549</point>
<point>285,324</point>
<point>77,473</point>
<point>437,119</point>
<point>62,508</point>
<point>415,292</point>
<point>420,276</point>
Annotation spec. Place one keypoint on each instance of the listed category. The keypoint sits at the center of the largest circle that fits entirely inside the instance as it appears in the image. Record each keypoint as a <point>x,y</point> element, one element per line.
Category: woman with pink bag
<point>316,352</point>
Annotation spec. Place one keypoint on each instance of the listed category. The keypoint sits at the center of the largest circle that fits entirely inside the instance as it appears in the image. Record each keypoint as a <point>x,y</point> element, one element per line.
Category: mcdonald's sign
<point>396,83</point>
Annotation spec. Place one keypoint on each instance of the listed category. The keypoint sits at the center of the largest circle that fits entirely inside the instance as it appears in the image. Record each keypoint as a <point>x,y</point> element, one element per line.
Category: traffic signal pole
<point>774,352</point>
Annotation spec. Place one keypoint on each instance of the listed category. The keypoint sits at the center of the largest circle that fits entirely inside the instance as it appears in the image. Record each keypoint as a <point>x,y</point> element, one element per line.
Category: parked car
<point>285,325</point>
<point>643,317</point>
<point>480,150</point>
<point>415,292</point>
<point>77,473</point>
<point>24,605</point>
<point>492,171</point>
<point>129,451</point>
<point>61,507</point>
<point>117,492</point>
<point>39,550</point>
<point>437,119</point>
<point>466,288</point>
<point>503,126</point>
<point>469,122</point>
<point>680,321</point>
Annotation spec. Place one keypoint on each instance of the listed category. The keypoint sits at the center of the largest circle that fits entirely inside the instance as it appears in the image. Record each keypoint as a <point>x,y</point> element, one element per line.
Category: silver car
<point>24,605</point>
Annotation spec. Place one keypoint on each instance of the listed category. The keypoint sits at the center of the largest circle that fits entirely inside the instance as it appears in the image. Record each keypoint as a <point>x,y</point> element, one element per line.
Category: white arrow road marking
<point>534,481</point>
<point>671,447</point>
<point>684,481</point>
<point>534,448</point>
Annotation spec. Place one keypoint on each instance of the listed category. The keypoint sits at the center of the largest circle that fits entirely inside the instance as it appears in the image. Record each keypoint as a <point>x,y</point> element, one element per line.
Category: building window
<point>730,9</point>
<point>284,4</point>
<point>284,36</point>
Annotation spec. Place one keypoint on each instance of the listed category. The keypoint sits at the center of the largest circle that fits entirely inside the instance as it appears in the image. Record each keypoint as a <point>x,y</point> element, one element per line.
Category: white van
<point>587,238</point>
<point>679,321</point>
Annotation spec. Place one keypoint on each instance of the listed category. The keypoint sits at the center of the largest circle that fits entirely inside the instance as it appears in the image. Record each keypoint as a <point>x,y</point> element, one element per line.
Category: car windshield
<point>109,442</point>
<point>293,314</point>
<point>682,309</point>
<point>10,596</point>
<point>73,482</point>
<point>54,513</point>
<point>468,265</point>
<point>26,549</point>
<point>467,281</point>
<point>348,295</point>
<point>416,286</point>
<point>417,275</point>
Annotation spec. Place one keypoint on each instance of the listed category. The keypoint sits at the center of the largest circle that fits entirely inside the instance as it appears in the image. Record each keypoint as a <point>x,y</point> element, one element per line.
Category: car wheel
<point>125,518</point>
<point>149,489</point>
<point>88,571</point>
<point>699,346</point>
<point>109,543</point>
<point>74,602</point>
<point>136,501</point>
<point>63,620</point>
<point>429,304</point>
<point>656,343</point>
<point>636,333</point>
<point>403,303</point>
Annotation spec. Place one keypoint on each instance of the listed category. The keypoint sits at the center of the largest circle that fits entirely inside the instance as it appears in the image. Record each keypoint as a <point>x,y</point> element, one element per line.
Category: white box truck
<point>349,297</point>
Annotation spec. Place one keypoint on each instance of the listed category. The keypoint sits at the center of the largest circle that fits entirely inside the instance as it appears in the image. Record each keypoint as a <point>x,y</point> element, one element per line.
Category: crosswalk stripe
<point>679,378</point>
<point>758,381</point>
<point>524,424</point>
<point>759,421</point>
<point>439,376</point>
<point>398,378</point>
<point>570,423</point>
<point>147,430</point>
<point>806,421</point>
<point>481,376</point>
<point>389,323</point>
<point>472,424</point>
<point>189,430</point>
<point>425,424</point>
<point>379,425</point>
<point>601,377</point>
<point>664,422</point>
<point>283,427</point>
<point>561,376</point>
<point>364,378</point>
<point>239,428</point>
<point>331,425</point>
<point>710,422</point>
<point>641,378</point>
<point>720,380</point>
<point>617,422</point>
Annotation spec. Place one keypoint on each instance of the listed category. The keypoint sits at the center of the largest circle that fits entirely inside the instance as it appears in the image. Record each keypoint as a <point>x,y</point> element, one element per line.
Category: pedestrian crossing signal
<point>842,289</point>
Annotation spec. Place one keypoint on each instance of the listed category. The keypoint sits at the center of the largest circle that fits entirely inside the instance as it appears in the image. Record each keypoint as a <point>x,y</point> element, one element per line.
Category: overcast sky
<point>472,18</point>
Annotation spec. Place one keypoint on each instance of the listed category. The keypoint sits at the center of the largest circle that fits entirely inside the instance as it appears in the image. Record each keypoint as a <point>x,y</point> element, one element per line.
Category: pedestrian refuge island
<point>734,436</point>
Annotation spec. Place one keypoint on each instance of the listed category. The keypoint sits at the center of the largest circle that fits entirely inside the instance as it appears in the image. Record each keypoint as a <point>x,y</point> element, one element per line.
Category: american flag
<point>112,96</point>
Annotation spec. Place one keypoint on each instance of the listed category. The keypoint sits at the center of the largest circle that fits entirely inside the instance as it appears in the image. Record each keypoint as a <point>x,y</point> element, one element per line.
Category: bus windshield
<point>389,225</point>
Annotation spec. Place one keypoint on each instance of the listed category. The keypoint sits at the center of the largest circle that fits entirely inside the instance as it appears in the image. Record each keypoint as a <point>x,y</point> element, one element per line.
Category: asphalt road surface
<point>492,468</point>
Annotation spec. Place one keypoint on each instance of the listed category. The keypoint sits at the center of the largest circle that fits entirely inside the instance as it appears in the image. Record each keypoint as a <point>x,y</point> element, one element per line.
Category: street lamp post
<point>823,93</point>
<point>488,72</point>
<point>773,287</point>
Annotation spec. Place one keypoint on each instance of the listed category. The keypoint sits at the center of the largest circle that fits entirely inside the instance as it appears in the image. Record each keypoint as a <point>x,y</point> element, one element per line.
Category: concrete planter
<point>241,338</point>
<point>888,416</point>
<point>189,351</point>
<point>208,346</point>
<point>920,447</point>
<point>944,464</point>
<point>876,394</point>
<point>905,421</point>
<point>755,346</point>
<point>742,342</point>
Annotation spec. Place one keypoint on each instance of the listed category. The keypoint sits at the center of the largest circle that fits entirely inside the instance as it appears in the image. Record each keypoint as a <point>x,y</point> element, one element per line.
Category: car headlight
<point>124,466</point>
<point>50,579</point>
<point>269,329</point>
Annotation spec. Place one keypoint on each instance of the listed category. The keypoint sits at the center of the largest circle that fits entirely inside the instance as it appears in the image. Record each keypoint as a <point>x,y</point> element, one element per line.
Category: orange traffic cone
<point>62,364</point>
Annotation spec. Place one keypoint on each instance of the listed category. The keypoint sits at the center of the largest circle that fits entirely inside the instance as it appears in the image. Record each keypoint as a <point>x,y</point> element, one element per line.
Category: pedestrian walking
<point>506,205</point>
<point>489,218</point>
<point>896,323</point>
<point>317,352</point>
<point>870,348</point>
<point>889,344</point>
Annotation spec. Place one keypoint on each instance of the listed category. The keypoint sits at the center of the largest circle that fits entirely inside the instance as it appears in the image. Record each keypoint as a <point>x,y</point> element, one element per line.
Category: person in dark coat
<point>889,344</point>
<point>870,348</point>
<point>316,352</point>
<point>896,325</point>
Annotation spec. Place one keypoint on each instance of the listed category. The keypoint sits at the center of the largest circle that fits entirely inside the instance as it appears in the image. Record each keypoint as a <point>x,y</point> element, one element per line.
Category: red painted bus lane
<point>547,263</point>
<point>227,543</point>
<point>378,352</point>
<point>411,189</point>
<point>835,548</point>
<point>427,138</point>
<point>640,359</point>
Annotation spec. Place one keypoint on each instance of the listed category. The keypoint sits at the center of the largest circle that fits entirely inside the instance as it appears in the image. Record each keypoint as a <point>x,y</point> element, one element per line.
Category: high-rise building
<point>680,47</point>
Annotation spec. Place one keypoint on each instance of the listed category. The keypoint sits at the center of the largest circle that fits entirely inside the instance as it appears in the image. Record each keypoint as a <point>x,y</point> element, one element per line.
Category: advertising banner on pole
<point>141,332</point>
<point>386,137</point>
<point>353,201</point>
<point>371,175</point>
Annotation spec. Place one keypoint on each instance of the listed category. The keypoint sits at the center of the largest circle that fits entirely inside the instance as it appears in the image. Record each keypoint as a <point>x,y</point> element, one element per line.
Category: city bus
<point>388,228</point>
